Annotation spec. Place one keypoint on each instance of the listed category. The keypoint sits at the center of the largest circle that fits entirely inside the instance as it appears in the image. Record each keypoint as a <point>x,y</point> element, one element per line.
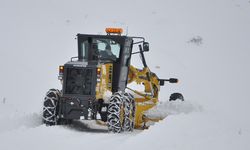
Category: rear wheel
<point>50,107</point>
<point>129,112</point>
<point>176,96</point>
<point>116,113</point>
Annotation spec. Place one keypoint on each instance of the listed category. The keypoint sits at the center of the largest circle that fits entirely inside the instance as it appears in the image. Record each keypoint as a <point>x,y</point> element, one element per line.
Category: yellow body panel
<point>104,82</point>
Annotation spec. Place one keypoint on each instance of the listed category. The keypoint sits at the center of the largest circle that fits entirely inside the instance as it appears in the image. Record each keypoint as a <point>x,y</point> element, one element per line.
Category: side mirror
<point>145,46</point>
<point>173,80</point>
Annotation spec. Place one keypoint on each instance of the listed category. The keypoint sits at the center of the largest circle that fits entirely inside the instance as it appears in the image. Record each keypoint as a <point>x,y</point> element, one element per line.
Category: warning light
<point>98,71</point>
<point>114,30</point>
<point>61,69</point>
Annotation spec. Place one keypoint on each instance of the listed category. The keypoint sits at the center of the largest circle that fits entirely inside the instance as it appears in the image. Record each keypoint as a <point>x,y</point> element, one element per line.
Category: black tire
<point>103,114</point>
<point>116,113</point>
<point>176,96</point>
<point>129,121</point>
<point>50,107</point>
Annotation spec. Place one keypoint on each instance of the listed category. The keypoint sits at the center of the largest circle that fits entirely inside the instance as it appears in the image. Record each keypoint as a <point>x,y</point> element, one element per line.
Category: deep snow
<point>27,131</point>
<point>204,43</point>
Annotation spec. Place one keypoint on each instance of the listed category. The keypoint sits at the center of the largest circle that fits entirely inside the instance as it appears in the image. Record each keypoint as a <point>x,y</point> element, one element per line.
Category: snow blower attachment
<point>94,84</point>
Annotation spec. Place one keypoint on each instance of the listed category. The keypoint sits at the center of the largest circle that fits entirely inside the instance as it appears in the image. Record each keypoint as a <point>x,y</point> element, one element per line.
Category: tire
<point>50,107</point>
<point>129,121</point>
<point>176,96</point>
<point>116,113</point>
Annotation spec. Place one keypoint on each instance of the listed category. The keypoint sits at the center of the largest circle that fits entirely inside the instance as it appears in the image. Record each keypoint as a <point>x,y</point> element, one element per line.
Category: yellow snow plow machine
<point>95,84</point>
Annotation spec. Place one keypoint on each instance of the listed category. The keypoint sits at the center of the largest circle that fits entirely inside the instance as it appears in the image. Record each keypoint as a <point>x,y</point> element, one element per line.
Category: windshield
<point>103,49</point>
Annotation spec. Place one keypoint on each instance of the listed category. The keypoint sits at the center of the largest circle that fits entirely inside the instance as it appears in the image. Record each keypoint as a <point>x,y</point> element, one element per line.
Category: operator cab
<point>104,49</point>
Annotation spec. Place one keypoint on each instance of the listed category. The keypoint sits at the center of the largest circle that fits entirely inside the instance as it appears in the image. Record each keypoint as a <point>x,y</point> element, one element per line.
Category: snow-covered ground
<point>204,43</point>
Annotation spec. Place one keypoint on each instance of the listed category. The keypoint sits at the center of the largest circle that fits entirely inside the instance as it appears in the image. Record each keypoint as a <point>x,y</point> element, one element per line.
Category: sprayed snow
<point>12,118</point>
<point>163,109</point>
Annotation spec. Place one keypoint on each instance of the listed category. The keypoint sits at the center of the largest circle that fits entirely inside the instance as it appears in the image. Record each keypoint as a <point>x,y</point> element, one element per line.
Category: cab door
<point>122,67</point>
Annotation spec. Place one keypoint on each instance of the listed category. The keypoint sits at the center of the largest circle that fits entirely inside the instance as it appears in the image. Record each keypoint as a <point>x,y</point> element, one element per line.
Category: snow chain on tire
<point>115,122</point>
<point>121,112</point>
<point>50,107</point>
<point>129,112</point>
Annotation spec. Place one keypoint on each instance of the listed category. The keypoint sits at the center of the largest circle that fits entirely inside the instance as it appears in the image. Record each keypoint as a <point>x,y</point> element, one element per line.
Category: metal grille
<point>78,81</point>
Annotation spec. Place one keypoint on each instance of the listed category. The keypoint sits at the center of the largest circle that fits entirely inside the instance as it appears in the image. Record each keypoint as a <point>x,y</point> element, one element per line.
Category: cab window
<point>104,49</point>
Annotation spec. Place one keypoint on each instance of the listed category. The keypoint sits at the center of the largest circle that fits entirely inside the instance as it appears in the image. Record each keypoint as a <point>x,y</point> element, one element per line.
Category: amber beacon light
<point>114,30</point>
